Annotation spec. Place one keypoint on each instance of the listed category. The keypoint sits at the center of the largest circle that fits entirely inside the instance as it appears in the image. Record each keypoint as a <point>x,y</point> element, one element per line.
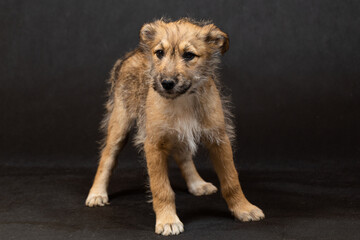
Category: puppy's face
<point>183,54</point>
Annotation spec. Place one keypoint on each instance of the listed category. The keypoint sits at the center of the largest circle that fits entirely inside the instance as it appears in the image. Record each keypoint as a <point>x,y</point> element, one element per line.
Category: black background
<point>292,71</point>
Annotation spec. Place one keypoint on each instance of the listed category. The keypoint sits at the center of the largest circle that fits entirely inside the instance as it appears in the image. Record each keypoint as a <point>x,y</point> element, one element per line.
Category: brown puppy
<point>168,88</point>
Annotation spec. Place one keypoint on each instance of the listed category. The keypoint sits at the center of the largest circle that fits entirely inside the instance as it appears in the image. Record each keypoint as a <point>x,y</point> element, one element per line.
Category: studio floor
<point>47,202</point>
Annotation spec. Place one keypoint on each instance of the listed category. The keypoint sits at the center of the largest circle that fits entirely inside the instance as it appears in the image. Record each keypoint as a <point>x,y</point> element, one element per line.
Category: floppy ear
<point>147,33</point>
<point>216,37</point>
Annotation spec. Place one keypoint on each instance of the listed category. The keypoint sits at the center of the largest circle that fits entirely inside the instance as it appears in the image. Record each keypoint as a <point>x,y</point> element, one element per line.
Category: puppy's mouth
<point>172,93</point>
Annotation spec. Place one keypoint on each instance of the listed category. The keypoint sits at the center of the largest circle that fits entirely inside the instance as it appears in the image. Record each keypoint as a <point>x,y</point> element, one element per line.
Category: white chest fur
<point>182,121</point>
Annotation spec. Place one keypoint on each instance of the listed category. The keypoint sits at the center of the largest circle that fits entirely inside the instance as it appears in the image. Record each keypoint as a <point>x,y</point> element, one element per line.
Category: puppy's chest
<point>183,124</point>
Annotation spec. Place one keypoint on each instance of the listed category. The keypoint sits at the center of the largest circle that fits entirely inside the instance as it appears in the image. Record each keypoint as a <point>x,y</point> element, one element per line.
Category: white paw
<point>249,213</point>
<point>202,188</point>
<point>169,227</point>
<point>94,200</point>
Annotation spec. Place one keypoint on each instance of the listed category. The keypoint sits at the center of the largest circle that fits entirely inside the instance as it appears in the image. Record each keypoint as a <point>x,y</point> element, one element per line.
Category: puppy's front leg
<point>167,222</point>
<point>222,158</point>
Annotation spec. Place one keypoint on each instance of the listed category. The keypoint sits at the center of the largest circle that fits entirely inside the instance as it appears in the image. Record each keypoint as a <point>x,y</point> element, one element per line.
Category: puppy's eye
<point>159,54</point>
<point>188,56</point>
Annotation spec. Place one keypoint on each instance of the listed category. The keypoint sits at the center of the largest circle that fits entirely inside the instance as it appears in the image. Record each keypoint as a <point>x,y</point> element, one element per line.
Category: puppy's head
<point>183,54</point>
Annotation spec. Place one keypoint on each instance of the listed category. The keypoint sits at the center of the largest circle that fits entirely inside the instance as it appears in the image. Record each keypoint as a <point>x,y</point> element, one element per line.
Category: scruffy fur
<point>172,119</point>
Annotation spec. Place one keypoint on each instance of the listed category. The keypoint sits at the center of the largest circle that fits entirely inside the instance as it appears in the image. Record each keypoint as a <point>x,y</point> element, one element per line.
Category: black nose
<point>168,84</point>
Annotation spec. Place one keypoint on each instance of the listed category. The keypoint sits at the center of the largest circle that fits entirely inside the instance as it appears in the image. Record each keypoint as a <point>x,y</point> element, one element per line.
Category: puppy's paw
<point>97,199</point>
<point>169,225</point>
<point>202,188</point>
<point>248,212</point>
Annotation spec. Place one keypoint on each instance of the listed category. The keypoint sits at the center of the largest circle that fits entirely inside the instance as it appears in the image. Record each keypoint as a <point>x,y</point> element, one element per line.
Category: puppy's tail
<point>109,106</point>
<point>114,74</point>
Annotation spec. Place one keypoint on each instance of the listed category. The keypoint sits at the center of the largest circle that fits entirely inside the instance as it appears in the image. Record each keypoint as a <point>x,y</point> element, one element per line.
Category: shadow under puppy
<point>168,88</point>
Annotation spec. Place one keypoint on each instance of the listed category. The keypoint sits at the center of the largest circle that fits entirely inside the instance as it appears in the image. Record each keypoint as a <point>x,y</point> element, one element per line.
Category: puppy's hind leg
<point>196,185</point>
<point>118,128</point>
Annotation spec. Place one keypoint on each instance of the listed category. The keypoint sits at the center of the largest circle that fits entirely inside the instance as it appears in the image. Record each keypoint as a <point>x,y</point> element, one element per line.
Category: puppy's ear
<point>215,37</point>
<point>147,33</point>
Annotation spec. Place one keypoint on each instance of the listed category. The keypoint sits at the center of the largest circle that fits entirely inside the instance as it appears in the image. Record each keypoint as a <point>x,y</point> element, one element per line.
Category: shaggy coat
<point>168,88</point>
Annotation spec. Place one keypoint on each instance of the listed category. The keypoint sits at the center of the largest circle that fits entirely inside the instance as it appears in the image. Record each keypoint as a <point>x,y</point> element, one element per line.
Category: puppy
<point>169,90</point>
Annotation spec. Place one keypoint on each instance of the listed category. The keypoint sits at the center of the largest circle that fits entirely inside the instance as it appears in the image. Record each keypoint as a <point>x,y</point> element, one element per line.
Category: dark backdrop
<point>293,73</point>
<point>292,70</point>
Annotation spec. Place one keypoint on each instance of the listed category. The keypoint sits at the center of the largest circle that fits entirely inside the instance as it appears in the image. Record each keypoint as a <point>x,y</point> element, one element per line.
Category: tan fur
<point>172,121</point>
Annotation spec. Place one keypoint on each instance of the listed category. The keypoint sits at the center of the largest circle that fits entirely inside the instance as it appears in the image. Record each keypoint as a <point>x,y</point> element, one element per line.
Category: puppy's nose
<point>168,84</point>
